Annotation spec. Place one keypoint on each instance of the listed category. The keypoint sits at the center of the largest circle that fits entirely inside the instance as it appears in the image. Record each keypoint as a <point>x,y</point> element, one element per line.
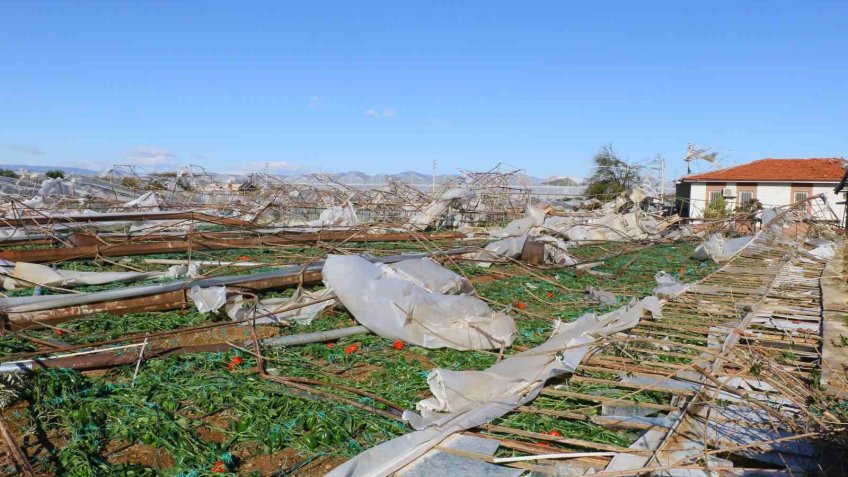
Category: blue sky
<point>391,86</point>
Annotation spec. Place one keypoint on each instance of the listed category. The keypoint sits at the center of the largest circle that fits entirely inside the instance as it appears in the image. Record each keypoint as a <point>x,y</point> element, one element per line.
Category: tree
<point>55,174</point>
<point>717,209</point>
<point>612,175</point>
<point>8,173</point>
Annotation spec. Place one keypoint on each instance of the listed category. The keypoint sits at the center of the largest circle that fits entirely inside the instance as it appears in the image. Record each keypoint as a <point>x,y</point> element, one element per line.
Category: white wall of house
<point>770,194</point>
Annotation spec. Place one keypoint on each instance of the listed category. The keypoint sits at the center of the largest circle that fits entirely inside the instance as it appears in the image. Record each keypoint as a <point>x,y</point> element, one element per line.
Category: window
<point>800,196</point>
<point>745,197</point>
<point>715,196</point>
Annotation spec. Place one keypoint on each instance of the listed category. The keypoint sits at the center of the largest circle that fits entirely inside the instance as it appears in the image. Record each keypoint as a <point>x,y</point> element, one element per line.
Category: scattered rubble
<point>473,327</point>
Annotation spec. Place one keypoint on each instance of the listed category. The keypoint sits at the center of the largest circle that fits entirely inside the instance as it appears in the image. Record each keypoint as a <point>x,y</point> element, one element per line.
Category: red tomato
<point>60,331</point>
<point>522,305</point>
<point>330,345</point>
<point>350,349</point>
<point>550,294</point>
<point>542,444</point>
<point>234,362</point>
<point>554,433</point>
<point>218,467</point>
<point>399,345</point>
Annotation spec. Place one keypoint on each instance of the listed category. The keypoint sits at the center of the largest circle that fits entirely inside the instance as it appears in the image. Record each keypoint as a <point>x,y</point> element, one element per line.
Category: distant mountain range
<point>417,178</point>
<point>70,170</point>
<point>347,178</point>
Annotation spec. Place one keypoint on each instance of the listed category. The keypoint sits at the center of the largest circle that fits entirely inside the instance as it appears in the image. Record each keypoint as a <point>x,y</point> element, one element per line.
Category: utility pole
<point>434,178</point>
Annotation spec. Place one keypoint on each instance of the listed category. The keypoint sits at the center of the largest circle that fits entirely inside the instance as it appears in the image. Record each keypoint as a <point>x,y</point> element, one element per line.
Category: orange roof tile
<point>791,170</point>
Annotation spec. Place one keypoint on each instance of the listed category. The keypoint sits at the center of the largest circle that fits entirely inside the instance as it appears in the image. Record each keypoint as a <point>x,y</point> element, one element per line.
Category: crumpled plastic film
<point>33,273</point>
<point>501,250</point>
<point>237,310</point>
<point>392,305</point>
<point>535,217</point>
<point>434,277</point>
<point>339,215</point>
<point>426,217</point>
<point>720,249</point>
<point>667,285</point>
<point>466,399</point>
<point>208,299</point>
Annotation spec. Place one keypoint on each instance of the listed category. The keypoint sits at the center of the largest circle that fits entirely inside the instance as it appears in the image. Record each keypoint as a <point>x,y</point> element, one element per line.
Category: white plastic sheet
<point>535,217</point>
<point>667,285</point>
<point>466,399</point>
<point>438,207</point>
<point>720,249</point>
<point>208,299</point>
<point>336,215</point>
<point>601,296</point>
<point>147,201</point>
<point>268,309</point>
<point>501,250</point>
<point>434,277</point>
<point>392,305</point>
<point>556,251</point>
<point>25,275</point>
<point>614,227</point>
<point>56,186</point>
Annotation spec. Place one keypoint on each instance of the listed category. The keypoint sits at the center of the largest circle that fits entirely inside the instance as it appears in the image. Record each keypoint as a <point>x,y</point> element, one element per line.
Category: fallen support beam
<point>27,312</point>
<point>49,255</point>
<point>82,219</point>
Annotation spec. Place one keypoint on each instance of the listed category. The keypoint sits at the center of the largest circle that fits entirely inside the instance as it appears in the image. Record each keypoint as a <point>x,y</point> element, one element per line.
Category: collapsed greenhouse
<point>175,324</point>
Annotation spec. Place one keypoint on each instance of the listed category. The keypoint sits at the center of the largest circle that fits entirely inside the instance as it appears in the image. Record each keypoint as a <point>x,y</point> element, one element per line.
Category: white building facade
<point>771,182</point>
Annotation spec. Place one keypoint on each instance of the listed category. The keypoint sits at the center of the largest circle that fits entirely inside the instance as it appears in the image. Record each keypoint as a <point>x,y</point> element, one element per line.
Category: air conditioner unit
<point>727,193</point>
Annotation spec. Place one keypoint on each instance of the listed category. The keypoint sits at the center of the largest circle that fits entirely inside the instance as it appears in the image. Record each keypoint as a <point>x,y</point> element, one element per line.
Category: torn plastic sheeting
<point>556,251</point>
<point>824,251</point>
<point>467,399</point>
<point>434,277</point>
<point>208,299</point>
<point>437,463</point>
<point>239,309</point>
<point>535,217</point>
<point>600,296</point>
<point>438,207</point>
<point>720,249</point>
<point>792,453</point>
<point>790,326</point>
<point>28,274</point>
<point>501,250</point>
<point>339,215</point>
<point>614,228</point>
<point>767,215</point>
<point>649,441</point>
<point>392,305</point>
<point>667,285</point>
<point>56,186</point>
<point>192,270</point>
<point>147,201</point>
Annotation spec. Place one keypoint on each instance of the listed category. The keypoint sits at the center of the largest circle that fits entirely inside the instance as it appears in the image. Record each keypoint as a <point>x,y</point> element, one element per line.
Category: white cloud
<point>149,156</point>
<point>31,150</point>
<point>315,101</point>
<point>385,113</point>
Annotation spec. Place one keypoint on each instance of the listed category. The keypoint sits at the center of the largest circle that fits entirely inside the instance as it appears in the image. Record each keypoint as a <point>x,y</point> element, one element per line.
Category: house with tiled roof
<point>769,182</point>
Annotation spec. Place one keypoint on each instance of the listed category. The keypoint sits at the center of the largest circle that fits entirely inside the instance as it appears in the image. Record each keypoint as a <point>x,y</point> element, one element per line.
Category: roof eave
<point>806,181</point>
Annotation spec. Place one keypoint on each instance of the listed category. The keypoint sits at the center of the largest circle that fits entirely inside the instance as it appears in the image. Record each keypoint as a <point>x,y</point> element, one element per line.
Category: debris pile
<point>260,325</point>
